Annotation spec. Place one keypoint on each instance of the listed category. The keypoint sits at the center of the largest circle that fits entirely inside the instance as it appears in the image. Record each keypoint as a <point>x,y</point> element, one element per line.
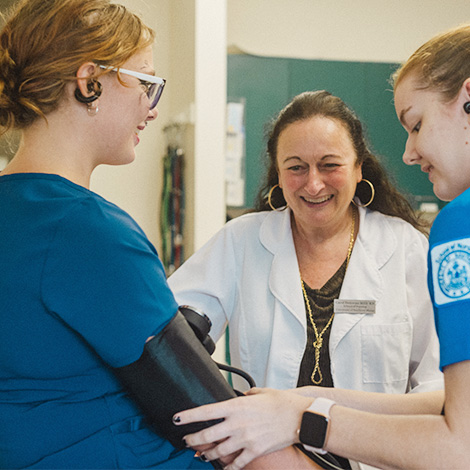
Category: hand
<point>265,421</point>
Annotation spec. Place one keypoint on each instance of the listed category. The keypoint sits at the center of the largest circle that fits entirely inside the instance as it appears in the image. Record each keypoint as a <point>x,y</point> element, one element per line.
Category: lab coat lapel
<point>284,278</point>
<point>374,245</point>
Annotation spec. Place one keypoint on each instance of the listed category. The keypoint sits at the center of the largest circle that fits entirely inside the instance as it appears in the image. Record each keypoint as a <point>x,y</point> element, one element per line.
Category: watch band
<point>320,406</point>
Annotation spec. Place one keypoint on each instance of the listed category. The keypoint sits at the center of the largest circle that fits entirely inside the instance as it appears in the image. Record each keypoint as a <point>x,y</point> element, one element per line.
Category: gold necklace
<point>318,343</point>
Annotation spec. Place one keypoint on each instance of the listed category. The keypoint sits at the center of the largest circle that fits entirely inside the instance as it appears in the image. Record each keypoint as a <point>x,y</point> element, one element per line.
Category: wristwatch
<point>314,427</point>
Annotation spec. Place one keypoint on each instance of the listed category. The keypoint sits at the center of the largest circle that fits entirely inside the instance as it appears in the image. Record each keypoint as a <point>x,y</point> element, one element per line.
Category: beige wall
<point>136,187</point>
<point>190,52</point>
<point>360,30</point>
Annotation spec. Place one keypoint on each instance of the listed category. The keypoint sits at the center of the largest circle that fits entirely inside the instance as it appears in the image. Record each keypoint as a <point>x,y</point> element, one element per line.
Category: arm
<point>200,281</point>
<point>375,402</point>
<point>425,441</point>
<point>268,421</point>
<point>290,457</point>
<point>173,372</point>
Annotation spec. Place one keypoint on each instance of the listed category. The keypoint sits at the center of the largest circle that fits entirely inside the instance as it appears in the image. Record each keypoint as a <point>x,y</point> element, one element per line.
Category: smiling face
<point>438,136</point>
<point>317,171</point>
<point>124,110</point>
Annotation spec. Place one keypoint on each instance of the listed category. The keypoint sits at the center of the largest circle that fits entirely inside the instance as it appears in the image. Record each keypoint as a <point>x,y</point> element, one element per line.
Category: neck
<point>320,253</point>
<point>47,148</point>
<point>316,236</point>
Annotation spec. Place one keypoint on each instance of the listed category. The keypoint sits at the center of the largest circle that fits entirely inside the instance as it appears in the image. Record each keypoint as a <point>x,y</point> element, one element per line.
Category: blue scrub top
<point>449,279</point>
<point>81,289</point>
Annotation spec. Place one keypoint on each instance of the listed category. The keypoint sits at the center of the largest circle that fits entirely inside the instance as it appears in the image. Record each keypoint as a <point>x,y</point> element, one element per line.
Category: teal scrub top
<point>449,279</point>
<point>81,289</point>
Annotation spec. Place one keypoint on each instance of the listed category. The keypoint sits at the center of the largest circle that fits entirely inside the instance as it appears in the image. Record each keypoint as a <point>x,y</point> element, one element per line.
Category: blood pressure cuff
<point>174,373</point>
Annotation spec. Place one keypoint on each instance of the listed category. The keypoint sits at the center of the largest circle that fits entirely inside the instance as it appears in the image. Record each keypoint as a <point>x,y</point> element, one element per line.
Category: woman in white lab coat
<point>250,274</point>
<point>321,290</point>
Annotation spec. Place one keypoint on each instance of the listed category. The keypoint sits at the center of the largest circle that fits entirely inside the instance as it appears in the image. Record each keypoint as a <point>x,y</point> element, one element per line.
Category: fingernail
<point>203,458</point>
<point>184,442</point>
<point>176,419</point>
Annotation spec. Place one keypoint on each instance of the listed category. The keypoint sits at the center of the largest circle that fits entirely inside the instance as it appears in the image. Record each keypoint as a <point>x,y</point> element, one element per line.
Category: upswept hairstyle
<point>43,44</point>
<point>387,200</point>
<point>441,64</point>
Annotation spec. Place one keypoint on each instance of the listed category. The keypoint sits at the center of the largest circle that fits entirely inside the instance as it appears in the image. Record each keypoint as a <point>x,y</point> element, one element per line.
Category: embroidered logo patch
<point>451,271</point>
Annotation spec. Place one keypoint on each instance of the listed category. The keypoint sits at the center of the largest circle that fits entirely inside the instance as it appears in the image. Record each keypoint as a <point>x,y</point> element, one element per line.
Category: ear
<point>466,89</point>
<point>359,173</point>
<point>85,74</point>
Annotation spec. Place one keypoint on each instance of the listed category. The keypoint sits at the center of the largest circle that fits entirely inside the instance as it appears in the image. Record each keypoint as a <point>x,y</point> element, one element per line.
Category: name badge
<point>354,306</point>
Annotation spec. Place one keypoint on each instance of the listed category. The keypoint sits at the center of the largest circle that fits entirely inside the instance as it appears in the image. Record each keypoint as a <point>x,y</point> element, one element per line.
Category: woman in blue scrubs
<point>432,101</point>
<point>77,298</point>
<point>83,296</point>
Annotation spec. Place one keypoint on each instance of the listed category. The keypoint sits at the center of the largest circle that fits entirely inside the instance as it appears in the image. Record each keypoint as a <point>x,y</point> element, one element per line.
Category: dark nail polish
<point>184,442</point>
<point>176,419</point>
<point>203,458</point>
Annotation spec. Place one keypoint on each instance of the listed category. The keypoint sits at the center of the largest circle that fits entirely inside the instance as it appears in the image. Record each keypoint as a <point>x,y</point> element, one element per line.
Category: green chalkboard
<point>267,84</point>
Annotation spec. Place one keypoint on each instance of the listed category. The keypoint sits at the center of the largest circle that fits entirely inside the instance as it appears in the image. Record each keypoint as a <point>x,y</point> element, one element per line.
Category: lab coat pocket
<point>385,352</point>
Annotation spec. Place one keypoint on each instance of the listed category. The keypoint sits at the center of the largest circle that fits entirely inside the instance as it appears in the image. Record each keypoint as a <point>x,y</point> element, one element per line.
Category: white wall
<point>136,187</point>
<point>360,30</point>
<point>189,53</point>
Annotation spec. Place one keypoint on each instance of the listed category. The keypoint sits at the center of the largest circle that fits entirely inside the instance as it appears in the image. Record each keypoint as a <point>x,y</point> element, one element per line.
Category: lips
<point>317,200</point>
<point>136,133</point>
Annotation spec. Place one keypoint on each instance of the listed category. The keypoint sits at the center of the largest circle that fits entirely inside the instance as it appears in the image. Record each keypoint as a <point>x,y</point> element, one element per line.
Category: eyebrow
<point>151,72</point>
<point>294,157</point>
<point>402,115</point>
<point>291,158</point>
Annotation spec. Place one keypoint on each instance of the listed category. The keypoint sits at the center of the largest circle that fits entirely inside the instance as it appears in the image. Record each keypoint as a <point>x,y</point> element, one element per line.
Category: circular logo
<point>454,274</point>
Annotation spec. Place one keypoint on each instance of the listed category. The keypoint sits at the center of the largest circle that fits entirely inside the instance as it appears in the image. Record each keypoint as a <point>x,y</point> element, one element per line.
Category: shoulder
<point>245,226</point>
<point>271,228</point>
<point>386,226</point>
<point>99,216</point>
<point>251,220</point>
<point>96,224</point>
<point>452,222</point>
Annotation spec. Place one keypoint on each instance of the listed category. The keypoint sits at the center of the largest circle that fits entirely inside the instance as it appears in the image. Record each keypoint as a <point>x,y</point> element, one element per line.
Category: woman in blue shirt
<point>86,313</point>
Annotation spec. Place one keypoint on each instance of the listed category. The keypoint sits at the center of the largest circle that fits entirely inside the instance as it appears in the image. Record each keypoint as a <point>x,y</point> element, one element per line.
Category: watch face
<point>313,429</point>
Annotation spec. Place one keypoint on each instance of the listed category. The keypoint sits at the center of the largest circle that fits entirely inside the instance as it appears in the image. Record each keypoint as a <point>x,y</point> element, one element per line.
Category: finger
<point>241,461</point>
<point>229,458</point>
<point>225,451</point>
<point>257,390</point>
<point>200,413</point>
<point>203,447</point>
<point>213,434</point>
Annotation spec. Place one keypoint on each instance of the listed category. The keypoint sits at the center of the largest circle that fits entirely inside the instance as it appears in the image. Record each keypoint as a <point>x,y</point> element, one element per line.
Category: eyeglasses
<point>153,85</point>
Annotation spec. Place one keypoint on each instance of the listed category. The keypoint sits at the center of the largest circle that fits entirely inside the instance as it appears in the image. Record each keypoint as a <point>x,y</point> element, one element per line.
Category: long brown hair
<point>43,44</point>
<point>388,200</point>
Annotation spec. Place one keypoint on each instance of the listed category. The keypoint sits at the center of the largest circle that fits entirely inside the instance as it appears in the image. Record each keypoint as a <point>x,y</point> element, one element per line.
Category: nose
<point>314,183</point>
<point>411,155</point>
<point>153,113</point>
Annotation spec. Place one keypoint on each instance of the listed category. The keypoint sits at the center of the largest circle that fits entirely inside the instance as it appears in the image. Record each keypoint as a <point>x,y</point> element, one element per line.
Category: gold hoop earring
<point>372,190</point>
<point>269,199</point>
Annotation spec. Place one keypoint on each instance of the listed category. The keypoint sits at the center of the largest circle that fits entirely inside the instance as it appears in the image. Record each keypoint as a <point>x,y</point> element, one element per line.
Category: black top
<point>322,306</point>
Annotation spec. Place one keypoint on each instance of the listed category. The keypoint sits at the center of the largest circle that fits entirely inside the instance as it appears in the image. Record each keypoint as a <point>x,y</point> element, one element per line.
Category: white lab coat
<point>248,275</point>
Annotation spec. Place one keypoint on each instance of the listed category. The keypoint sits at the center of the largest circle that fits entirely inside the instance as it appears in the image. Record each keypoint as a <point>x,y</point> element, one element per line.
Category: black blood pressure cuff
<point>174,373</point>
